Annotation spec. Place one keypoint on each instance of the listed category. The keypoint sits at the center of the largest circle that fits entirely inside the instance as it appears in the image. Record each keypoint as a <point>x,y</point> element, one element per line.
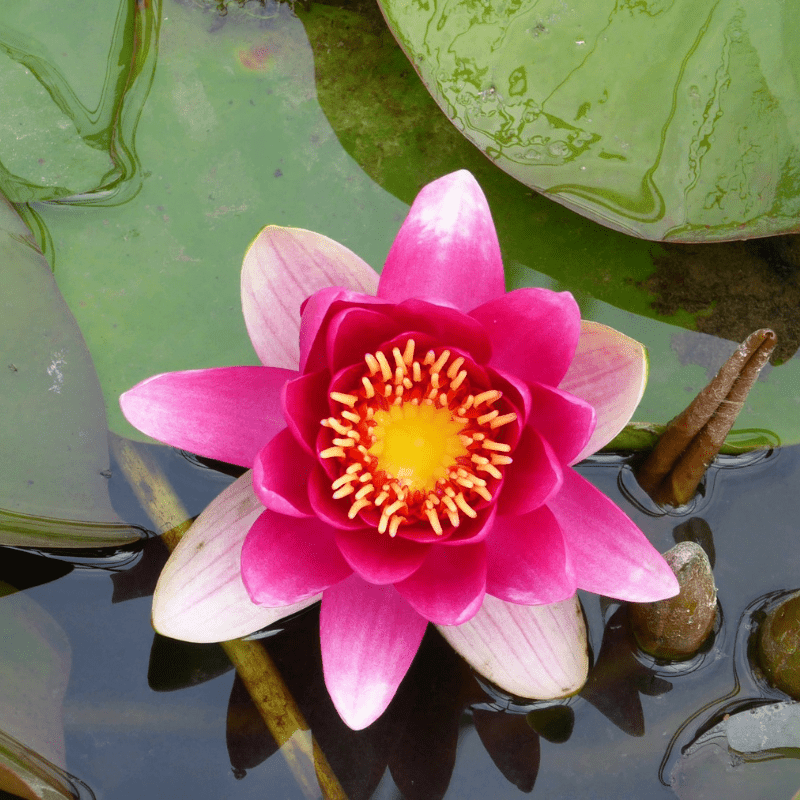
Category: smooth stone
<point>676,628</point>
<point>779,646</point>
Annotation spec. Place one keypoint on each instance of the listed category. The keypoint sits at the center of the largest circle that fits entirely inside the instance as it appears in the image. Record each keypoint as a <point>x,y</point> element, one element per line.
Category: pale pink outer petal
<point>609,371</point>
<point>608,553</point>
<point>228,413</point>
<point>282,267</point>
<point>529,651</point>
<point>446,250</point>
<point>200,596</point>
<point>369,636</point>
<point>534,333</point>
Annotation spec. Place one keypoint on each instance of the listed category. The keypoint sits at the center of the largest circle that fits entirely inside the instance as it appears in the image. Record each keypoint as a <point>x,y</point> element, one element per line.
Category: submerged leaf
<point>54,462</point>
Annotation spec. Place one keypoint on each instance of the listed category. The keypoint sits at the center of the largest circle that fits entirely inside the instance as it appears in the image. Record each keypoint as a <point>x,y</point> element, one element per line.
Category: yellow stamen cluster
<point>415,442</point>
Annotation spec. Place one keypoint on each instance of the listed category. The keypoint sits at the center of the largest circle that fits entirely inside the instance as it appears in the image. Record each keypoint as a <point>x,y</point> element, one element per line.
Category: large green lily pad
<point>666,119</point>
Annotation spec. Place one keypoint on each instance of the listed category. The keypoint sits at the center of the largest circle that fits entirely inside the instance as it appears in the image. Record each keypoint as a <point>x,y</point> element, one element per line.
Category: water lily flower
<point>411,442</point>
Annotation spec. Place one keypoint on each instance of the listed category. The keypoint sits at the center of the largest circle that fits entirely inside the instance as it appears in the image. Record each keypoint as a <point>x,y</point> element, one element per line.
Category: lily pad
<point>54,458</point>
<point>667,120</point>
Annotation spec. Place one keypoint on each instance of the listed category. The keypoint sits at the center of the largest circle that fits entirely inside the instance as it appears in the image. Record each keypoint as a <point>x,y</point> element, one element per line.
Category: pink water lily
<point>411,441</point>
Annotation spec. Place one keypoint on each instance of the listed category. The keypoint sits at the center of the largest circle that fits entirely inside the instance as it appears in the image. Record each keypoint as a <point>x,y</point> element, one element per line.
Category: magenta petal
<point>446,250</point>
<point>286,559</point>
<point>534,333</point>
<point>228,413</point>
<point>354,332</point>
<point>280,476</point>
<point>369,636</point>
<point>532,478</point>
<point>529,651</point>
<point>379,558</point>
<point>527,561</point>
<point>305,405</point>
<point>281,269</point>
<point>609,554</point>
<point>609,371</point>
<point>314,313</point>
<point>449,587</point>
<point>446,325</point>
<point>332,512</point>
<point>565,421</point>
<point>200,596</point>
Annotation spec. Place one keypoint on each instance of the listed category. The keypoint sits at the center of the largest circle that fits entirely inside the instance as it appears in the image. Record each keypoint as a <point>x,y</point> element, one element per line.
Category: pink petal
<point>286,560</point>
<point>379,558</point>
<point>534,333</point>
<point>609,371</point>
<point>527,560</point>
<point>354,332</point>
<point>529,651</point>
<point>369,636</point>
<point>609,554</point>
<point>446,251</point>
<point>280,476</point>
<point>449,586</point>
<point>305,404</point>
<point>228,413</point>
<point>283,267</point>
<point>448,326</point>
<point>332,512</point>
<point>565,421</point>
<point>315,311</point>
<point>532,478</point>
<point>200,596</point>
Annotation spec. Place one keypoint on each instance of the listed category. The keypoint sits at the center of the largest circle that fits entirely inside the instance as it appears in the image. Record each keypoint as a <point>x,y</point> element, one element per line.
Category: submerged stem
<point>257,670</point>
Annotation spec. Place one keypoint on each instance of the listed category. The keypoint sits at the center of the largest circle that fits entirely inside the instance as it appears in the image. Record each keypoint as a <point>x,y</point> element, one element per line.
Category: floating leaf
<point>664,120</point>
<point>53,452</point>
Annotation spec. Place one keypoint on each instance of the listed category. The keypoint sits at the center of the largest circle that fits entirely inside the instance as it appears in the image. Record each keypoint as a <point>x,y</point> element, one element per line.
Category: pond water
<point>211,126</point>
<point>145,716</point>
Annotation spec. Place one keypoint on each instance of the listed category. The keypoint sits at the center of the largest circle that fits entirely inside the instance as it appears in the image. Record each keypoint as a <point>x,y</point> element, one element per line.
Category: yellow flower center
<point>416,442</point>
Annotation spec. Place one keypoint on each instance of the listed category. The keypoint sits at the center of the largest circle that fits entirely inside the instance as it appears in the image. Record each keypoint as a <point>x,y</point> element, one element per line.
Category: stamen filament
<point>345,399</point>
<point>406,441</point>
<point>504,420</point>
<point>386,372</point>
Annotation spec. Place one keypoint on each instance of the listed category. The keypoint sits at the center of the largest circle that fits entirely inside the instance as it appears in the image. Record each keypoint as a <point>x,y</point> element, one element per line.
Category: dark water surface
<point>147,717</point>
